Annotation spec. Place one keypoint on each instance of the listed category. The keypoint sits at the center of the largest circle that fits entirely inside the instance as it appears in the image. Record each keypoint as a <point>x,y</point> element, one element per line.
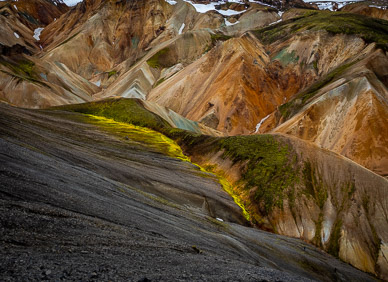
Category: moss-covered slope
<point>369,29</point>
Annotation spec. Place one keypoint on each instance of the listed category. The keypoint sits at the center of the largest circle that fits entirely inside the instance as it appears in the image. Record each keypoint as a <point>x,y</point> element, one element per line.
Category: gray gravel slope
<point>77,203</point>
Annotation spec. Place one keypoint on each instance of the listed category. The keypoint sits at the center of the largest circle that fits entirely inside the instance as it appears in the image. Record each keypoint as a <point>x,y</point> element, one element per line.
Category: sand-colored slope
<point>349,116</point>
<point>223,87</point>
<point>237,84</point>
<point>30,83</point>
<point>95,36</point>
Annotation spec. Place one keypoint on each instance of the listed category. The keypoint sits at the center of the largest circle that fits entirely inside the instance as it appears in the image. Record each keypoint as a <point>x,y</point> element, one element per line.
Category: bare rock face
<point>348,116</point>
<point>97,35</point>
<point>225,88</point>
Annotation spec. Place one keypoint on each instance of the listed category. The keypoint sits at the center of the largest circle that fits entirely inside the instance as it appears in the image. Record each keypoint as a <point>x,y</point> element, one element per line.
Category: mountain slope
<point>82,194</point>
<point>337,111</point>
<point>290,187</point>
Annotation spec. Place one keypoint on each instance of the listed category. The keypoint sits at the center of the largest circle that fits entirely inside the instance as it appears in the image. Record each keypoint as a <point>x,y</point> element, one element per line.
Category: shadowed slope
<point>292,187</point>
<point>81,203</point>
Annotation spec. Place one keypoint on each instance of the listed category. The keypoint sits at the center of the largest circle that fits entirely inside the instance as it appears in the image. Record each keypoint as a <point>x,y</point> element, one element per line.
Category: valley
<point>194,140</point>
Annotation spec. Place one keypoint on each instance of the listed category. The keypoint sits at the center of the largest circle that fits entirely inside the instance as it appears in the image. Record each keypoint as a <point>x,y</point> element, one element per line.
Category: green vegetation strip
<point>270,166</point>
<point>22,69</point>
<point>369,29</point>
<point>156,60</point>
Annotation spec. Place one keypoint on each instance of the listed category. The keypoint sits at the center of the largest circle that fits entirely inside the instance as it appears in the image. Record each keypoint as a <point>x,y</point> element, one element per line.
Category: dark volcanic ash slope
<point>80,203</point>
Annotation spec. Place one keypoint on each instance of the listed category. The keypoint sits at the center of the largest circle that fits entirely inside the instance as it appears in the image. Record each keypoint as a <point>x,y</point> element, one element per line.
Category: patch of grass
<point>369,29</point>
<point>268,168</point>
<point>160,81</point>
<point>23,67</point>
<point>155,61</point>
<point>129,111</point>
<point>141,135</point>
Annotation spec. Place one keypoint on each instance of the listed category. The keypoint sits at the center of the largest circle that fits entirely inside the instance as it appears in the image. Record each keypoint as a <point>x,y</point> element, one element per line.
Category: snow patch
<point>329,5</point>
<point>37,33</point>
<point>182,28</point>
<point>278,21</point>
<point>228,23</point>
<point>171,2</point>
<point>71,2</point>
<point>16,35</point>
<point>204,8</point>
<point>260,123</point>
<point>378,7</point>
<point>16,8</point>
<point>97,83</point>
<point>219,219</point>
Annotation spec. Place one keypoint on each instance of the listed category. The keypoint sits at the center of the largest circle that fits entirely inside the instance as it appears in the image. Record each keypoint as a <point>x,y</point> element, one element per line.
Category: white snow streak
<point>260,123</point>
<point>37,33</point>
<point>182,28</point>
<point>171,2</point>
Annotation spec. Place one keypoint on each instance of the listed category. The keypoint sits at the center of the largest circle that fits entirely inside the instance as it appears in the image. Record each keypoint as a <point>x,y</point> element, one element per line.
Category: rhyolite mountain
<point>281,105</point>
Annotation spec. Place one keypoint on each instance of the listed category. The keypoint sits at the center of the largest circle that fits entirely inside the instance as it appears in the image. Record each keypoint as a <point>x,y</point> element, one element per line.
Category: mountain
<point>240,115</point>
<point>89,198</point>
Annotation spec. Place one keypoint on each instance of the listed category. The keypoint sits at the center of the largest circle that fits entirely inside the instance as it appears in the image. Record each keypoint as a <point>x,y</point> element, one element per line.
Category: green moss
<point>315,65</point>
<point>129,111</point>
<point>314,186</point>
<point>111,73</point>
<point>155,60</point>
<point>228,188</point>
<point>369,29</point>
<point>365,203</point>
<point>219,37</point>
<point>268,170</point>
<point>318,229</point>
<point>376,243</point>
<point>335,236</point>
<point>22,69</point>
<point>160,81</point>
